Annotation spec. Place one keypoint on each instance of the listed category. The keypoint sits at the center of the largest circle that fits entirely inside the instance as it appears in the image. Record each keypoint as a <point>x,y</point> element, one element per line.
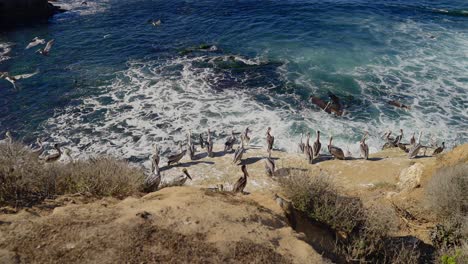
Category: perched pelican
<point>45,51</point>
<point>56,156</point>
<point>301,144</point>
<point>8,138</point>
<point>335,151</point>
<point>209,145</point>
<point>439,149</point>
<point>230,142</point>
<point>398,138</point>
<point>245,137</point>
<point>13,79</point>
<point>269,166</point>
<point>176,157</point>
<point>242,182</point>
<point>239,152</point>
<point>317,146</point>
<point>36,41</point>
<point>413,152</point>
<point>38,151</point>
<point>153,180</point>
<point>155,158</point>
<point>270,140</point>
<point>191,146</point>
<point>202,141</point>
<point>390,140</point>
<point>180,180</point>
<point>308,149</point>
<point>364,147</point>
<point>412,140</point>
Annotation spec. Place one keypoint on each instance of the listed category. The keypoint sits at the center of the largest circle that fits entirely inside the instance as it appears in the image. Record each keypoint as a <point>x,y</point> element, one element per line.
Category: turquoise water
<point>115,84</point>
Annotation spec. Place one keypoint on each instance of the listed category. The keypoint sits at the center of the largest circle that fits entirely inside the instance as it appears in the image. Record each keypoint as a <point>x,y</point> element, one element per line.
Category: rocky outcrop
<point>410,178</point>
<point>13,11</point>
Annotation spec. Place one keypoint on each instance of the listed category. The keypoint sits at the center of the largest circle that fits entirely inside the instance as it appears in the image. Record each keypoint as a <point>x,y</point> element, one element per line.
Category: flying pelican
<point>36,41</point>
<point>209,145</point>
<point>439,149</point>
<point>270,140</point>
<point>301,144</point>
<point>153,180</point>
<point>176,157</point>
<point>12,79</point>
<point>181,179</point>
<point>45,51</point>
<point>239,152</point>
<point>38,151</point>
<point>202,141</point>
<point>316,146</point>
<point>191,146</point>
<point>335,151</point>
<point>269,166</point>
<point>364,147</point>
<point>56,156</point>
<point>230,142</point>
<point>413,152</point>
<point>245,137</point>
<point>242,182</point>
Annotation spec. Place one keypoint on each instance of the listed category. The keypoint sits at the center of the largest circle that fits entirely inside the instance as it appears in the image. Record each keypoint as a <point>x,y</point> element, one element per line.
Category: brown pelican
<point>397,140</point>
<point>8,138</point>
<point>270,140</point>
<point>36,41</point>
<point>176,157</point>
<point>56,156</point>
<point>412,140</point>
<point>155,158</point>
<point>335,151</point>
<point>364,147</point>
<point>390,140</point>
<point>270,166</point>
<point>413,152</point>
<point>301,144</point>
<point>239,152</point>
<point>398,104</point>
<point>209,145</point>
<point>230,142</point>
<point>242,182</point>
<point>316,146</point>
<point>13,79</point>
<point>245,137</point>
<point>307,149</point>
<point>38,151</point>
<point>202,141</point>
<point>45,51</point>
<point>181,179</point>
<point>191,146</point>
<point>153,180</point>
<point>439,149</point>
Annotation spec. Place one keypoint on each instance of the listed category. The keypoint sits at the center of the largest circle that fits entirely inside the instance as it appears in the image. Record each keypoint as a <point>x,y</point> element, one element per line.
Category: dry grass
<point>364,233</point>
<point>25,180</point>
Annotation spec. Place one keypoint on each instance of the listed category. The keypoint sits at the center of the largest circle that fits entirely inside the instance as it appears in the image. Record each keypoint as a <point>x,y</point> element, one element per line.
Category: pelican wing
<point>49,45</point>
<point>35,42</point>
<point>25,76</point>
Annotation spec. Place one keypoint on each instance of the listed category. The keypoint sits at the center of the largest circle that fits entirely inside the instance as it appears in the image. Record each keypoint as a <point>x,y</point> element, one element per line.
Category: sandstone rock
<point>410,178</point>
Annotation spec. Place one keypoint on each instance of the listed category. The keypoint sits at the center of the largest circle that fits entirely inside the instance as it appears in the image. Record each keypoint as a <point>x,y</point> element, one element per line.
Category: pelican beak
<point>187,174</point>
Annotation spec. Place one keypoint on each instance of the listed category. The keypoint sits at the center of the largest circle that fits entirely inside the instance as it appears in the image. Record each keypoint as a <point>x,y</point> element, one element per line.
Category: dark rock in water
<point>14,12</point>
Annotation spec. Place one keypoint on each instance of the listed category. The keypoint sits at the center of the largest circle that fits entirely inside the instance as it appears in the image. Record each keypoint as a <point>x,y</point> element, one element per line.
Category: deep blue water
<point>115,84</point>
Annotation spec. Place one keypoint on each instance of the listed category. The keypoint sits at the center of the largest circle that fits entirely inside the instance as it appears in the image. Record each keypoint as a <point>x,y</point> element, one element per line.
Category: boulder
<point>410,178</point>
<point>14,11</point>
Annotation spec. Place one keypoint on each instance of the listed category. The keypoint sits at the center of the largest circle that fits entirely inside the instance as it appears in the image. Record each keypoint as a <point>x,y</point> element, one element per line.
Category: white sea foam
<point>76,7</point>
<point>5,49</point>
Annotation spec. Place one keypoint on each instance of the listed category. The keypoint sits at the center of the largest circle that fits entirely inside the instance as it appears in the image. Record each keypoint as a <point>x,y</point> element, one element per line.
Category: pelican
<point>155,158</point>
<point>45,51</point>
<point>13,79</point>
<point>153,180</point>
<point>56,156</point>
<point>191,146</point>
<point>239,152</point>
<point>439,149</point>
<point>156,23</point>
<point>269,166</point>
<point>270,140</point>
<point>398,138</point>
<point>245,137</point>
<point>390,140</point>
<point>202,141</point>
<point>413,152</point>
<point>307,149</point>
<point>242,182</point>
<point>38,151</point>
<point>301,144</point>
<point>8,138</point>
<point>36,41</point>
<point>176,157</point>
<point>181,179</point>
<point>364,147</point>
<point>412,140</point>
<point>335,151</point>
<point>317,146</point>
<point>209,145</point>
<point>230,142</point>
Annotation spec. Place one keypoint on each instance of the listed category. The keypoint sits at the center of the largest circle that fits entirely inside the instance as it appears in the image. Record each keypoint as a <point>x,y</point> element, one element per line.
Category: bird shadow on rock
<point>375,159</point>
<point>251,160</point>
<point>186,164</point>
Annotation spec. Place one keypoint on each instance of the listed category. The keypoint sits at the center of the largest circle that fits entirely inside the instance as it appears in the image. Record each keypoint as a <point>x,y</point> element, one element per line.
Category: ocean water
<point>114,84</point>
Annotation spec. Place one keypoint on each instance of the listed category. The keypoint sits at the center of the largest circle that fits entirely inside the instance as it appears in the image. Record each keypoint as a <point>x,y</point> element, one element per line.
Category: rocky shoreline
<point>16,12</point>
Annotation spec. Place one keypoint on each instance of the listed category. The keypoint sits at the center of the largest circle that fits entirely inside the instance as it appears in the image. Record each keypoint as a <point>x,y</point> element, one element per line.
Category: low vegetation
<point>363,234</point>
<point>447,196</point>
<point>25,180</point>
